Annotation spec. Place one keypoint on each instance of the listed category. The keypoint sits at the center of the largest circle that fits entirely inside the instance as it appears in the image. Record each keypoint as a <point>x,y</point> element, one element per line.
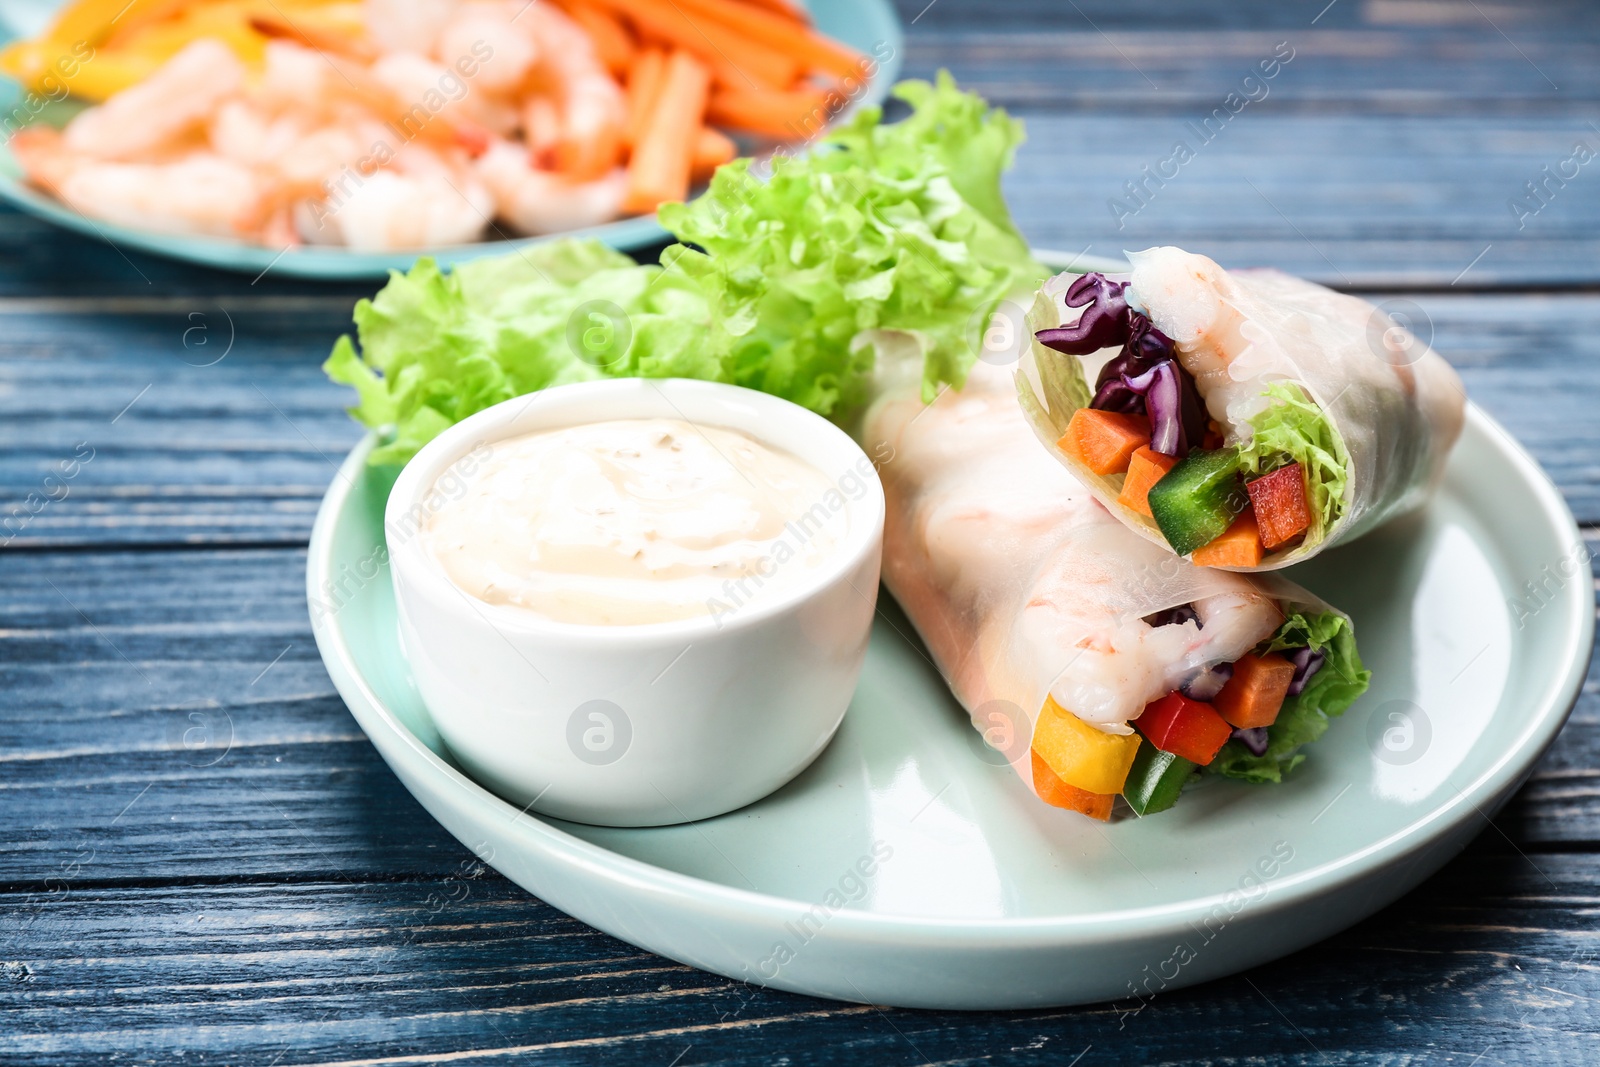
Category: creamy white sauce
<point>635,521</point>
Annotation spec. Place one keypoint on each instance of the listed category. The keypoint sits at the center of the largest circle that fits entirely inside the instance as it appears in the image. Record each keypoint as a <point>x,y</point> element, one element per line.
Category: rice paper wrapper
<point>1023,586</point>
<point>1396,405</point>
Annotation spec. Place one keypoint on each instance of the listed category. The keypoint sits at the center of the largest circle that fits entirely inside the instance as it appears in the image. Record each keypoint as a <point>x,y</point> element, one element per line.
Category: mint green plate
<point>869,26</point>
<point>909,866</point>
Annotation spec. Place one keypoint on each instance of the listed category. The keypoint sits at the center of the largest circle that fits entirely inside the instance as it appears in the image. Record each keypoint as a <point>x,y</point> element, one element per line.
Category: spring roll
<point>1244,419</point>
<point>1098,663</point>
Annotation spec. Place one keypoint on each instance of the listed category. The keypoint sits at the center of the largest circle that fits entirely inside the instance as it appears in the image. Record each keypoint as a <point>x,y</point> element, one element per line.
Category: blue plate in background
<point>870,26</point>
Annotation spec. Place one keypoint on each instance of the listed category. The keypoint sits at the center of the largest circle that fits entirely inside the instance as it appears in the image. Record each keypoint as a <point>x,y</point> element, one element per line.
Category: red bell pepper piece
<point>1279,501</point>
<point>1188,728</point>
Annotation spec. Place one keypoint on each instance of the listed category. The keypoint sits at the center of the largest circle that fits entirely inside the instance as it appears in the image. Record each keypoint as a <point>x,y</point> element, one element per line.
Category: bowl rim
<point>625,399</point>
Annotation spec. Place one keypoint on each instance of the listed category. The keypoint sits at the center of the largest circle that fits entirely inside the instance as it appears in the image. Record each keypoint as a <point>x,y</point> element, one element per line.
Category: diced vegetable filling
<point>1057,793</point>
<point>1156,780</point>
<point>1246,719</point>
<point>1197,500</point>
<point>1145,469</point>
<point>1289,477</point>
<point>1237,546</point>
<point>1279,502</point>
<point>1082,755</point>
<point>1256,692</point>
<point>1105,441</point>
<point>1184,727</point>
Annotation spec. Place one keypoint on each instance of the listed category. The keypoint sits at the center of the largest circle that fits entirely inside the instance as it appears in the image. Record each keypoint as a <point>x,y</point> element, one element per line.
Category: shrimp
<point>1196,303</point>
<point>423,200</point>
<point>1119,662</point>
<point>590,105</point>
<point>486,38</point>
<point>197,193</point>
<point>303,156</point>
<point>538,201</point>
<point>406,25</point>
<point>158,112</point>
<point>436,91</point>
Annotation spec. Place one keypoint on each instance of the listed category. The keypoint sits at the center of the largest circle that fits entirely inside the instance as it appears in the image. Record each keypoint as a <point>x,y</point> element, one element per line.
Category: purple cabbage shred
<point>1254,739</point>
<point>1306,664</point>
<point>1145,377</point>
<point>1163,403</point>
<point>1104,321</point>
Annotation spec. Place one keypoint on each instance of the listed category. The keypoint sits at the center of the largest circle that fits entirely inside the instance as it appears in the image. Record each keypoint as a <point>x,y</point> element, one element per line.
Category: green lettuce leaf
<point>898,227</point>
<point>436,347</point>
<point>1303,718</point>
<point>1060,377</point>
<point>880,227</point>
<point>1294,426</point>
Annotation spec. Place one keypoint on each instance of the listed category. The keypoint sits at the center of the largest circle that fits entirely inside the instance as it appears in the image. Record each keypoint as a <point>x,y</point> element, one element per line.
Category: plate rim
<point>587,859</point>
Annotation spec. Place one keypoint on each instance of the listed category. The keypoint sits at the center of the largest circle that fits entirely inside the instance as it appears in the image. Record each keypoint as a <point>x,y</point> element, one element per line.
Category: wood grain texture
<point>204,861</point>
<point>465,968</point>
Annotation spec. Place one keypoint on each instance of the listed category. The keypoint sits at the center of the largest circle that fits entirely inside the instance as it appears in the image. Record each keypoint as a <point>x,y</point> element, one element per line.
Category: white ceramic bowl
<point>651,724</point>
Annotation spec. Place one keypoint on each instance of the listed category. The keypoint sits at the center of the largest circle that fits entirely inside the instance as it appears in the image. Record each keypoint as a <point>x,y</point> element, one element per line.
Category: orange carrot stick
<point>774,31</point>
<point>712,149</point>
<point>612,41</point>
<point>785,8</point>
<point>659,169</point>
<point>788,115</point>
<point>730,55</point>
<point>644,85</point>
<point>316,38</point>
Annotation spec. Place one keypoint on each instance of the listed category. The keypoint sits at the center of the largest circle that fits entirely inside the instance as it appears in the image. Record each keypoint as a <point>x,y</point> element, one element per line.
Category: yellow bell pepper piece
<point>107,74</point>
<point>1081,755</point>
<point>95,20</point>
<point>45,66</point>
<point>98,48</point>
<point>162,40</point>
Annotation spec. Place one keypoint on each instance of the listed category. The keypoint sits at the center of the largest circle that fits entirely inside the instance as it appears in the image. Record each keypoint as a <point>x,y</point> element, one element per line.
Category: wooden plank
<point>1350,203</point>
<point>241,452</point>
<point>1492,958</point>
<point>1173,17</point>
<point>183,420</point>
<point>168,715</point>
<point>1067,65</point>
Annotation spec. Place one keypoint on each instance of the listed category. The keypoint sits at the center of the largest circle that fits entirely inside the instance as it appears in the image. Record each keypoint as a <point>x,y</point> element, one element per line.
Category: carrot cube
<point>1053,791</point>
<point>1144,470</point>
<point>1279,500</point>
<point>1255,693</point>
<point>1237,546</point>
<point>1104,441</point>
<point>1184,727</point>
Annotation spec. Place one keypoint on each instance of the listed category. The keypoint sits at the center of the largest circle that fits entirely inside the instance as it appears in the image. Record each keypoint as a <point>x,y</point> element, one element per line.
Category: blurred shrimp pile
<point>401,124</point>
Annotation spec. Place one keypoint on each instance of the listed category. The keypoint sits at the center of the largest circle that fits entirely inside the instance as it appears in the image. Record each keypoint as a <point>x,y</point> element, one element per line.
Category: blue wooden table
<point>202,860</point>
